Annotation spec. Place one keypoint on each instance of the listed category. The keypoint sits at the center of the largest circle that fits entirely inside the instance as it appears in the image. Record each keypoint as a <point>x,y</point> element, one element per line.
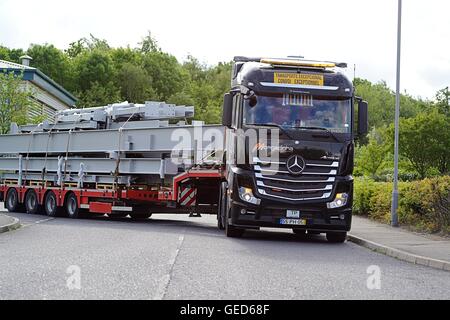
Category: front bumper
<point>317,219</point>
<point>271,210</point>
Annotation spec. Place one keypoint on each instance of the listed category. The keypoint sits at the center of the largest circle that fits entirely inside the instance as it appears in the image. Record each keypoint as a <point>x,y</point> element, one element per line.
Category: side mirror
<point>363,118</point>
<point>227,110</point>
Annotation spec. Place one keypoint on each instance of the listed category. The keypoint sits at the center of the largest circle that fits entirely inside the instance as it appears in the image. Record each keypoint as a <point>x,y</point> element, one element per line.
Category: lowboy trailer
<point>115,160</point>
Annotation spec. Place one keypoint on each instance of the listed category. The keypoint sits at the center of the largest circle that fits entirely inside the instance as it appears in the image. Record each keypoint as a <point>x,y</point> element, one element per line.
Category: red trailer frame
<point>106,201</point>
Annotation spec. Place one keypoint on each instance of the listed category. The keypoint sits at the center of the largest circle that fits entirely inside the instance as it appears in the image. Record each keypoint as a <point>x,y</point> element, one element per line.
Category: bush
<point>423,205</point>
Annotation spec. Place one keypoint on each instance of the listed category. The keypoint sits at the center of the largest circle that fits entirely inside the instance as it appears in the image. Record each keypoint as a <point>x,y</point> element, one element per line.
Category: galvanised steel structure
<point>117,159</point>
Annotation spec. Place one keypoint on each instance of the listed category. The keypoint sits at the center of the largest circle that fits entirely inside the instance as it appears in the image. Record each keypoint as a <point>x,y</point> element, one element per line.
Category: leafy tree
<point>382,102</point>
<point>94,43</point>
<point>121,56</point>
<point>12,55</point>
<point>195,70</point>
<point>4,53</point>
<point>15,98</point>
<point>165,72</point>
<point>425,141</point>
<point>181,98</point>
<point>135,84</point>
<point>370,157</point>
<point>76,48</point>
<point>53,62</point>
<point>94,67</point>
<point>443,101</point>
<point>99,95</point>
<point>87,44</point>
<point>149,44</point>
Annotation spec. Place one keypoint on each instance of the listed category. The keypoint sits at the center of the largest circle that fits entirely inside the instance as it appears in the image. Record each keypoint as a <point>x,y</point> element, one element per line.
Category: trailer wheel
<point>117,214</point>
<point>50,205</point>
<point>140,212</point>
<point>336,237</point>
<point>12,201</point>
<point>72,207</point>
<point>140,216</point>
<point>31,202</point>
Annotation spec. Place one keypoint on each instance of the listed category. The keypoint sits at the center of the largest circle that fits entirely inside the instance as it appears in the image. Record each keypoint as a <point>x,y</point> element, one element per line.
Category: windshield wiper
<point>283,129</point>
<point>330,133</point>
<point>270,124</point>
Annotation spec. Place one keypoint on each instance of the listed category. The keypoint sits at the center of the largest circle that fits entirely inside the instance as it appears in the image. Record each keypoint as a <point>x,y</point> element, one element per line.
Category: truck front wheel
<point>336,237</point>
<point>230,230</point>
<point>299,232</point>
<point>221,206</point>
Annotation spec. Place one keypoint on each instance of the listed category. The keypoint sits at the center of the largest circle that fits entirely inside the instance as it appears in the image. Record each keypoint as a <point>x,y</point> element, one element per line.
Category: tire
<point>336,237</point>
<point>117,215</point>
<point>221,205</point>
<point>140,216</point>
<point>140,213</point>
<point>50,205</point>
<point>313,233</point>
<point>72,207</point>
<point>230,230</point>
<point>299,232</point>
<point>31,202</point>
<point>12,201</point>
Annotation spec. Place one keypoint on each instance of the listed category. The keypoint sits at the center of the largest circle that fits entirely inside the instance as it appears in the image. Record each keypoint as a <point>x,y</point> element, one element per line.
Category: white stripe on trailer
<point>184,192</point>
<point>188,197</point>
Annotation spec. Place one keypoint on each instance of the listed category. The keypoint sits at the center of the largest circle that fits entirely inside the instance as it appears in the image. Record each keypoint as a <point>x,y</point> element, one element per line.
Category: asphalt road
<point>177,257</point>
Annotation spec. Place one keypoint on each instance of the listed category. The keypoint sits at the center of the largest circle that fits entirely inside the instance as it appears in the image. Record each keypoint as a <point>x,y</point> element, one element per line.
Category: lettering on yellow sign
<point>296,78</point>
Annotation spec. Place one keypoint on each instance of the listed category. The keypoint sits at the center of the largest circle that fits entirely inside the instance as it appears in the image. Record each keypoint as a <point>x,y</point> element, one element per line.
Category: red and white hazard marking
<point>188,197</point>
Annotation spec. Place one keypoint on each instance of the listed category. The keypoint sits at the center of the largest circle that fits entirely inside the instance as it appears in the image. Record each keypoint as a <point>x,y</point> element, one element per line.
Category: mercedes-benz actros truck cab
<point>291,126</point>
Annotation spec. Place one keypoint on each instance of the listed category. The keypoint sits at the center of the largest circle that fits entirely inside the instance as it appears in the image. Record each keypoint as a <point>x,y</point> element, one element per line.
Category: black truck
<point>300,175</point>
<point>283,158</point>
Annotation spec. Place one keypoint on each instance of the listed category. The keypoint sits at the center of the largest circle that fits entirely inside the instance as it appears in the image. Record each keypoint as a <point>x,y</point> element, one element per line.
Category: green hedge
<point>423,205</point>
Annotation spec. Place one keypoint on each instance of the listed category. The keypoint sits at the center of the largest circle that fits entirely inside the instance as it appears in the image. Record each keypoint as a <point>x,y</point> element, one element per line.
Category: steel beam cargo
<point>165,139</point>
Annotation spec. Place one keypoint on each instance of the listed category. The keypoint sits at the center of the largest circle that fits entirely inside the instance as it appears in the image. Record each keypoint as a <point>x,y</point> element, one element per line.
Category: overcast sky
<point>357,32</point>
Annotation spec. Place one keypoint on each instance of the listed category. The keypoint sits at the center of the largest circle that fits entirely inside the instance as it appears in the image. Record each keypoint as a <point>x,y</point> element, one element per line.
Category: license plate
<point>297,78</point>
<point>293,214</point>
<point>293,222</point>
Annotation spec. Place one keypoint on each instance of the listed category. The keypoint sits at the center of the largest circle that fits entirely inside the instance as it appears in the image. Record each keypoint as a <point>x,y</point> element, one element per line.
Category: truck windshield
<point>299,111</point>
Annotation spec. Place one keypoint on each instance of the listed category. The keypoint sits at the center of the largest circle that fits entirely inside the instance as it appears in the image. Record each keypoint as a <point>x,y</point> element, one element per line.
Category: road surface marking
<point>165,280</point>
<point>36,222</point>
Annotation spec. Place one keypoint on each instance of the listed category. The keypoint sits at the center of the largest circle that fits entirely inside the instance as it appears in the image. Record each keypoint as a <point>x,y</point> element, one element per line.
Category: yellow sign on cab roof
<point>297,78</point>
<point>298,63</point>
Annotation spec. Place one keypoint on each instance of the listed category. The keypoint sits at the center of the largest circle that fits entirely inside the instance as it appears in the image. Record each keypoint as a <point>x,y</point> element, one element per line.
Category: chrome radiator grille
<point>316,182</point>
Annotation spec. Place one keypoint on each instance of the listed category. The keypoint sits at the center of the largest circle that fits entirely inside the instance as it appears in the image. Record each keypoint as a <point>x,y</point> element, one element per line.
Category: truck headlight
<point>246,194</point>
<point>340,201</point>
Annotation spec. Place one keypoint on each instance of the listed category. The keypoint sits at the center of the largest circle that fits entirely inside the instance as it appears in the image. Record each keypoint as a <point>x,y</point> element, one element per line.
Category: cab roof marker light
<point>302,63</point>
<point>298,63</point>
<point>292,61</point>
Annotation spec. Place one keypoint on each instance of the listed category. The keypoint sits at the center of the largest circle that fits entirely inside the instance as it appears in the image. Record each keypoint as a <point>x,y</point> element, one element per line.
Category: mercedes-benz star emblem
<point>295,164</point>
